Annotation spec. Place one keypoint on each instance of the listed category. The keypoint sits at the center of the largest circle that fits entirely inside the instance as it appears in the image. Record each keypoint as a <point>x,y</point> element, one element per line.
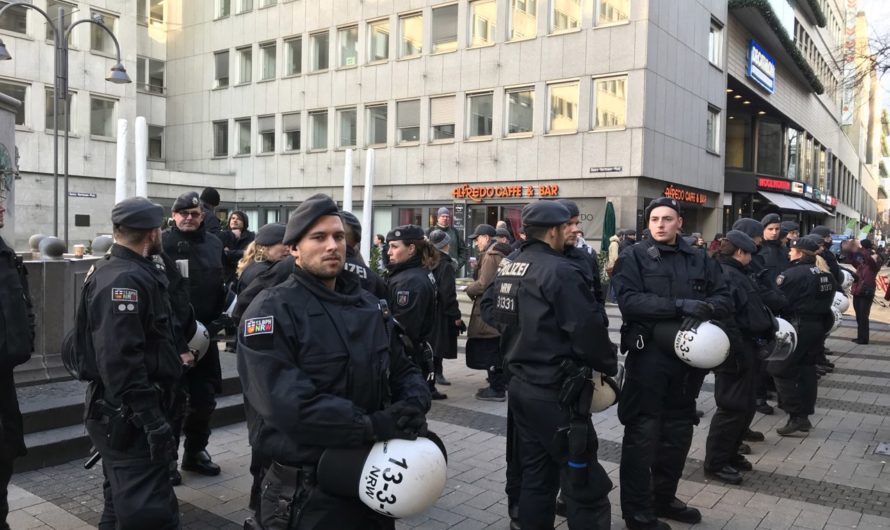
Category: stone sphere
<point>52,248</point>
<point>101,245</point>
<point>34,242</point>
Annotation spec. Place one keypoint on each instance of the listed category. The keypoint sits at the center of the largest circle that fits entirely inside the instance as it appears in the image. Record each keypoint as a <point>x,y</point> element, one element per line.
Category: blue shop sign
<point>761,67</point>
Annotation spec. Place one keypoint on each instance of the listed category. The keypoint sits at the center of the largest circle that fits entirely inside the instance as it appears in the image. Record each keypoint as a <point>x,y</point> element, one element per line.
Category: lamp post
<point>118,75</point>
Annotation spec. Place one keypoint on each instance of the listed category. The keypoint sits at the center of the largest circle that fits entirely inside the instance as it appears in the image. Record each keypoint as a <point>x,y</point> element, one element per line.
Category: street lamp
<point>118,75</point>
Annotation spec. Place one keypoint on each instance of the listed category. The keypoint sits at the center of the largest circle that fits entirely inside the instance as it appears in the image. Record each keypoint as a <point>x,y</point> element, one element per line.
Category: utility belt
<point>635,336</point>
<point>284,492</point>
<point>575,445</point>
<point>121,426</point>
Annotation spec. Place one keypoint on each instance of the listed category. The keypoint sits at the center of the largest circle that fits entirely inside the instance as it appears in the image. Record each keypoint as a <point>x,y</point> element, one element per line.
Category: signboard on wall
<point>761,67</point>
<point>685,195</point>
<point>515,191</point>
<point>459,215</point>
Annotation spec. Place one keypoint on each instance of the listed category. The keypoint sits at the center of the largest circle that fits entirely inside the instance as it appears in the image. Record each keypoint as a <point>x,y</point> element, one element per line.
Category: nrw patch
<point>259,326</point>
<point>119,294</point>
<point>402,297</point>
<point>780,279</point>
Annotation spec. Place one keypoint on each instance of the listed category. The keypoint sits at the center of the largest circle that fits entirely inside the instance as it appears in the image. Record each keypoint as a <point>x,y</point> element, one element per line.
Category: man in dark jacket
<point>449,323</point>
<point>458,250</point>
<point>209,202</point>
<point>773,255</point>
<point>235,239</point>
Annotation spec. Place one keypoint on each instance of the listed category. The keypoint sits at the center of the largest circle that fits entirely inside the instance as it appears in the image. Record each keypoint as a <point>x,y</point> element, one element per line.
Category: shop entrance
<point>478,214</point>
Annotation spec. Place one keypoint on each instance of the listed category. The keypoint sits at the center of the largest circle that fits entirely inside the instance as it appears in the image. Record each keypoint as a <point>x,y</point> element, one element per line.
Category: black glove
<point>161,442</point>
<point>690,324</point>
<point>399,420</point>
<point>694,308</point>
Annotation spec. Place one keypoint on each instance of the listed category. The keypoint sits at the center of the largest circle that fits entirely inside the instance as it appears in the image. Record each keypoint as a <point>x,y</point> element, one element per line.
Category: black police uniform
<point>370,280</point>
<point>589,267</point>
<point>138,365</point>
<point>444,334</point>
<point>657,404</point>
<point>16,345</point>
<point>251,273</point>
<point>234,250</point>
<point>314,363</point>
<point>412,300</point>
<point>773,256</point>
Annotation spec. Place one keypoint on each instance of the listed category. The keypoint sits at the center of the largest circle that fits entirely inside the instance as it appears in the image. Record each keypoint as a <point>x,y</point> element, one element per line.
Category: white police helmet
<point>706,346</point>
<point>605,392</point>
<point>840,302</point>
<point>848,280</point>
<point>837,319</point>
<point>200,341</point>
<point>786,334</point>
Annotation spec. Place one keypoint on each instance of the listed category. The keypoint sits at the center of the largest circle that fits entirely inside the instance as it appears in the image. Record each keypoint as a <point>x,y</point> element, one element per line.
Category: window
<point>150,75</point>
<point>377,115</point>
<point>713,130</point>
<point>808,160</point>
<point>268,3</point>
<point>266,127</point>
<point>221,61</point>
<point>245,64</point>
<point>610,102</point>
<point>378,41</point>
<point>155,142</point>
<point>319,51</point>
<point>147,10</point>
<point>15,19</point>
<point>565,15</point>
<point>479,115</point>
<point>268,56</point>
<point>293,56</point>
<point>100,40</point>
<point>738,141</point>
<point>242,132</point>
<point>523,19</point>
<point>444,29</point>
<point>221,138</point>
<point>483,17</point>
<point>18,92</point>
<point>520,110</point>
<point>410,35</point>
<point>815,173</point>
<point>563,107</point>
<point>715,44</point>
<point>290,127</point>
<point>442,118</point>
<point>101,117</point>
<point>48,113</point>
<point>823,166</point>
<point>611,11</point>
<point>408,121</point>
<point>770,145</point>
<point>318,130</point>
<point>794,137</point>
<point>52,9</point>
<point>245,6</point>
<point>346,127</point>
<point>223,8</point>
<point>348,43</point>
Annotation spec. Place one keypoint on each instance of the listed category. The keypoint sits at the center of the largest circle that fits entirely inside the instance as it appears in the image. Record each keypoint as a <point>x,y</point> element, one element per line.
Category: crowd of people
<point>334,357</point>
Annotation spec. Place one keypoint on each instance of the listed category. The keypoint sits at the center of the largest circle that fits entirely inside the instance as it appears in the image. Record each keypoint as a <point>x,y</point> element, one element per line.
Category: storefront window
<point>738,142</point>
<point>823,168</point>
<point>808,159</point>
<point>794,137</point>
<point>411,216</point>
<point>769,147</point>
<point>814,176</point>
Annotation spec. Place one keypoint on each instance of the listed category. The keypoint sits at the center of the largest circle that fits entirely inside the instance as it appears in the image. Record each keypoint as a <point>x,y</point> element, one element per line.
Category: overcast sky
<point>877,12</point>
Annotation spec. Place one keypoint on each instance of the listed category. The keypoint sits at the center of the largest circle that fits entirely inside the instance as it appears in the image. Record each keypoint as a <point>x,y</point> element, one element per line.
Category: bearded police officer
<point>586,261</point>
<point>661,279</point>
<point>554,335</point>
<point>323,367</point>
<point>134,366</point>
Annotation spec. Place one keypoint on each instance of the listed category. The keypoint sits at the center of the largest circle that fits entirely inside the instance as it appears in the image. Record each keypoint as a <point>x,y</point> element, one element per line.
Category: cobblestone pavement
<point>833,478</point>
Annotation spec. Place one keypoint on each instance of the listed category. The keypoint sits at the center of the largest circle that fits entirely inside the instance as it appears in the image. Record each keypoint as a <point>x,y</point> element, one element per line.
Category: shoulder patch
<point>515,269</point>
<point>780,279</point>
<point>402,297</point>
<point>120,294</point>
<point>259,326</point>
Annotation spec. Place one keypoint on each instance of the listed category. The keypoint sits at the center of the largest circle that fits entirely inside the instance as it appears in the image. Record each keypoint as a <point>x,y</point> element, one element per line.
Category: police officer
<point>16,345</point>
<point>749,329</point>
<point>189,240</point>
<point>822,232</point>
<point>547,311</point>
<point>809,287</point>
<point>449,323</point>
<point>788,232</point>
<point>370,280</point>
<point>209,202</point>
<point>318,358</point>
<point>136,363</point>
<point>265,251</point>
<point>660,279</point>
<point>586,261</point>
<point>773,255</point>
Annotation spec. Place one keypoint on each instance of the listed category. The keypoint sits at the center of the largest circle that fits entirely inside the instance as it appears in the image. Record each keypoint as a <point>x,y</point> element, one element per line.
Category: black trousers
<point>201,385</point>
<point>537,417</point>
<point>657,408</point>
<point>862,307</point>
<point>5,474</point>
<point>513,485</point>
<point>12,439</point>
<point>734,393</point>
<point>138,493</point>
<point>797,382</point>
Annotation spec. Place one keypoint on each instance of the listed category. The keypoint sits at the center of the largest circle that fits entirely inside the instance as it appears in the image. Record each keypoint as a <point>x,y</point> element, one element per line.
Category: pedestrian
<point>235,239</point>
<point>502,235</point>
<point>135,368</point>
<point>459,251</point>
<point>209,202</point>
<point>378,254</point>
<point>449,323</point>
<point>868,264</point>
<point>262,253</point>
<point>519,239</point>
<point>412,295</point>
<point>661,279</point>
<point>317,363</point>
<point>714,245</point>
<point>189,240</point>
<point>614,250</point>
<point>16,345</point>
<point>629,239</point>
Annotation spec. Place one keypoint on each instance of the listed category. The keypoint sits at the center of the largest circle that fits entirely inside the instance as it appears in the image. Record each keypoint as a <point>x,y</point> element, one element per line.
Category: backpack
<point>78,355</point>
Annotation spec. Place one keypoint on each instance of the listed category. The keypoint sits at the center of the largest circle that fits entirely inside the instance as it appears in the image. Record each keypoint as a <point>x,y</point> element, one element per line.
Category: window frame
<point>239,59</point>
<point>49,91</point>
<point>285,131</point>
<point>144,85</point>
<point>217,85</point>
<point>340,32</point>
<point>163,144</point>
<point>239,123</point>
<point>339,113</point>
<point>433,123</point>
<point>264,49</point>
<point>596,16</point>
<point>313,48</point>
<point>403,17</point>
<point>493,28</point>
<point>214,125</point>
<point>551,19</point>
<point>399,140</point>
<point>369,37</point>
<point>218,11</point>
<point>23,11</point>
<point>512,90</point>
<point>312,114</point>
<point>288,54</point>
<point>595,103</point>
<point>469,100</point>
<point>244,6</point>
<point>69,13</point>
<point>114,113</point>
<point>549,125</point>
<point>511,10</point>
<point>445,47</point>
<point>714,112</point>
<point>95,30</point>
<point>369,108</point>
<point>718,38</point>
<point>23,108</point>
<point>260,132</point>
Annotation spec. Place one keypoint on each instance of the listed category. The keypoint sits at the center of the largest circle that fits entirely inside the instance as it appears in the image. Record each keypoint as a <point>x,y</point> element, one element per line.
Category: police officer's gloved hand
<point>694,308</point>
<point>161,442</point>
<point>396,421</point>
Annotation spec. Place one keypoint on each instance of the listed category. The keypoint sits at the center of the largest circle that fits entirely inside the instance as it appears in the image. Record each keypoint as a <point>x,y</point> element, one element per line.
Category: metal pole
<point>56,88</point>
<point>63,50</point>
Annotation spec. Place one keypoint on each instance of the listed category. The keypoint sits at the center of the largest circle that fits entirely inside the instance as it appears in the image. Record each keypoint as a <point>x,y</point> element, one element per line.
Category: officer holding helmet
<point>660,279</point>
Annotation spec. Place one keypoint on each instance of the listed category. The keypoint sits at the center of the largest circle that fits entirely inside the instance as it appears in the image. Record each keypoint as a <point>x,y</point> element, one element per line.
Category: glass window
<point>320,51</point>
<point>102,117</point>
<point>712,130</point>
<point>221,76</point>
<point>444,29</point>
<point>715,44</point>
<point>408,121</point>
<point>793,142</point>
<point>290,127</point>
<point>293,56</point>
<point>245,64</point>
<point>411,35</point>
<point>378,40</point>
<point>266,127</point>
<point>100,40</point>
<point>808,160</point>
<point>18,92</point>
<point>523,19</point>
<point>611,11</point>
<point>221,138</point>
<point>377,115</point>
<point>223,8</point>
<point>565,15</point>
<point>814,177</point>
<point>268,57</point>
<point>48,117</point>
<point>520,110</point>
<point>823,158</point>
<point>155,142</point>
<point>346,127</point>
<point>268,3</point>
<point>348,39</point>
<point>442,118</point>
<point>483,17</point>
<point>563,107</point>
<point>479,108</point>
<point>318,129</point>
<point>242,132</point>
<point>150,75</point>
<point>52,9</point>
<point>738,141</point>
<point>610,102</point>
<point>14,19</point>
<point>156,10</point>
<point>245,6</point>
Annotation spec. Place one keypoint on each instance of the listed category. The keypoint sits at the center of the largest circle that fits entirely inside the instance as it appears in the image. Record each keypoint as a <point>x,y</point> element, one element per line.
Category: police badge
<point>402,297</point>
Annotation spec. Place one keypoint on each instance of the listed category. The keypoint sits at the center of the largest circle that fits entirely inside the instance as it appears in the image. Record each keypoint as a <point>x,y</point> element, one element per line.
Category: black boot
<point>727,474</point>
<point>741,463</point>
<point>200,463</point>
<point>645,522</point>
<point>678,511</point>
<point>763,407</point>
<point>753,436</point>
<point>795,425</point>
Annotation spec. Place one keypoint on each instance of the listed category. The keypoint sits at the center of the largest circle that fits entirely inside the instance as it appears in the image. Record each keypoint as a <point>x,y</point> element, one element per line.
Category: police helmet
<point>200,341</point>
<point>605,392</point>
<point>837,319</point>
<point>786,339</point>
<point>848,280</point>
<point>840,302</point>
<point>703,346</point>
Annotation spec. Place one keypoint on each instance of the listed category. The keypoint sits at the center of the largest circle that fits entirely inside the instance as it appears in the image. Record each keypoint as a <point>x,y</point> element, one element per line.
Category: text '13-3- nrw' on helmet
<point>200,341</point>
<point>703,346</point>
<point>605,392</point>
<point>840,302</point>
<point>837,319</point>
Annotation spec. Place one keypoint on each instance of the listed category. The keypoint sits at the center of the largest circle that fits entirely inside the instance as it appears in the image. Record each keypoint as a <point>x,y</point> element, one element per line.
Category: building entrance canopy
<point>798,204</point>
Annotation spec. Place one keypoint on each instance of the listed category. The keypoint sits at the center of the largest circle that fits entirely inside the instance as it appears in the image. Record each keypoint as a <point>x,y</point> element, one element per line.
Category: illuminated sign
<point>518,191</point>
<point>774,184</point>
<point>761,67</point>
<point>797,187</point>
<point>685,195</point>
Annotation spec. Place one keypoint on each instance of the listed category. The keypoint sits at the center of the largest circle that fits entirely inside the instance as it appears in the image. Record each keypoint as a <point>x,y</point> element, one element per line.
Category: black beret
<point>790,226</point>
<point>867,243</point>
<point>571,206</point>
<point>484,230</point>
<point>822,231</point>
<point>186,201</point>
<point>749,226</point>
<point>502,232</point>
<point>807,243</point>
<point>663,201</point>
<point>439,239</point>
<point>770,219</point>
<point>350,219</point>
<point>137,213</point>
<point>306,215</point>
<point>741,240</point>
<point>544,213</point>
<point>270,234</point>
<point>405,233</point>
<point>210,196</point>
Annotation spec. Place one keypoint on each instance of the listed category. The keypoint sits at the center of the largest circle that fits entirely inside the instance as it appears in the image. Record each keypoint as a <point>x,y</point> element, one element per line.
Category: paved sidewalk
<point>831,479</point>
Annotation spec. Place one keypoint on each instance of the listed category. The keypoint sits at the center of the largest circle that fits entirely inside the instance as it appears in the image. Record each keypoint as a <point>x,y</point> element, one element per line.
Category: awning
<point>813,207</point>
<point>782,201</point>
